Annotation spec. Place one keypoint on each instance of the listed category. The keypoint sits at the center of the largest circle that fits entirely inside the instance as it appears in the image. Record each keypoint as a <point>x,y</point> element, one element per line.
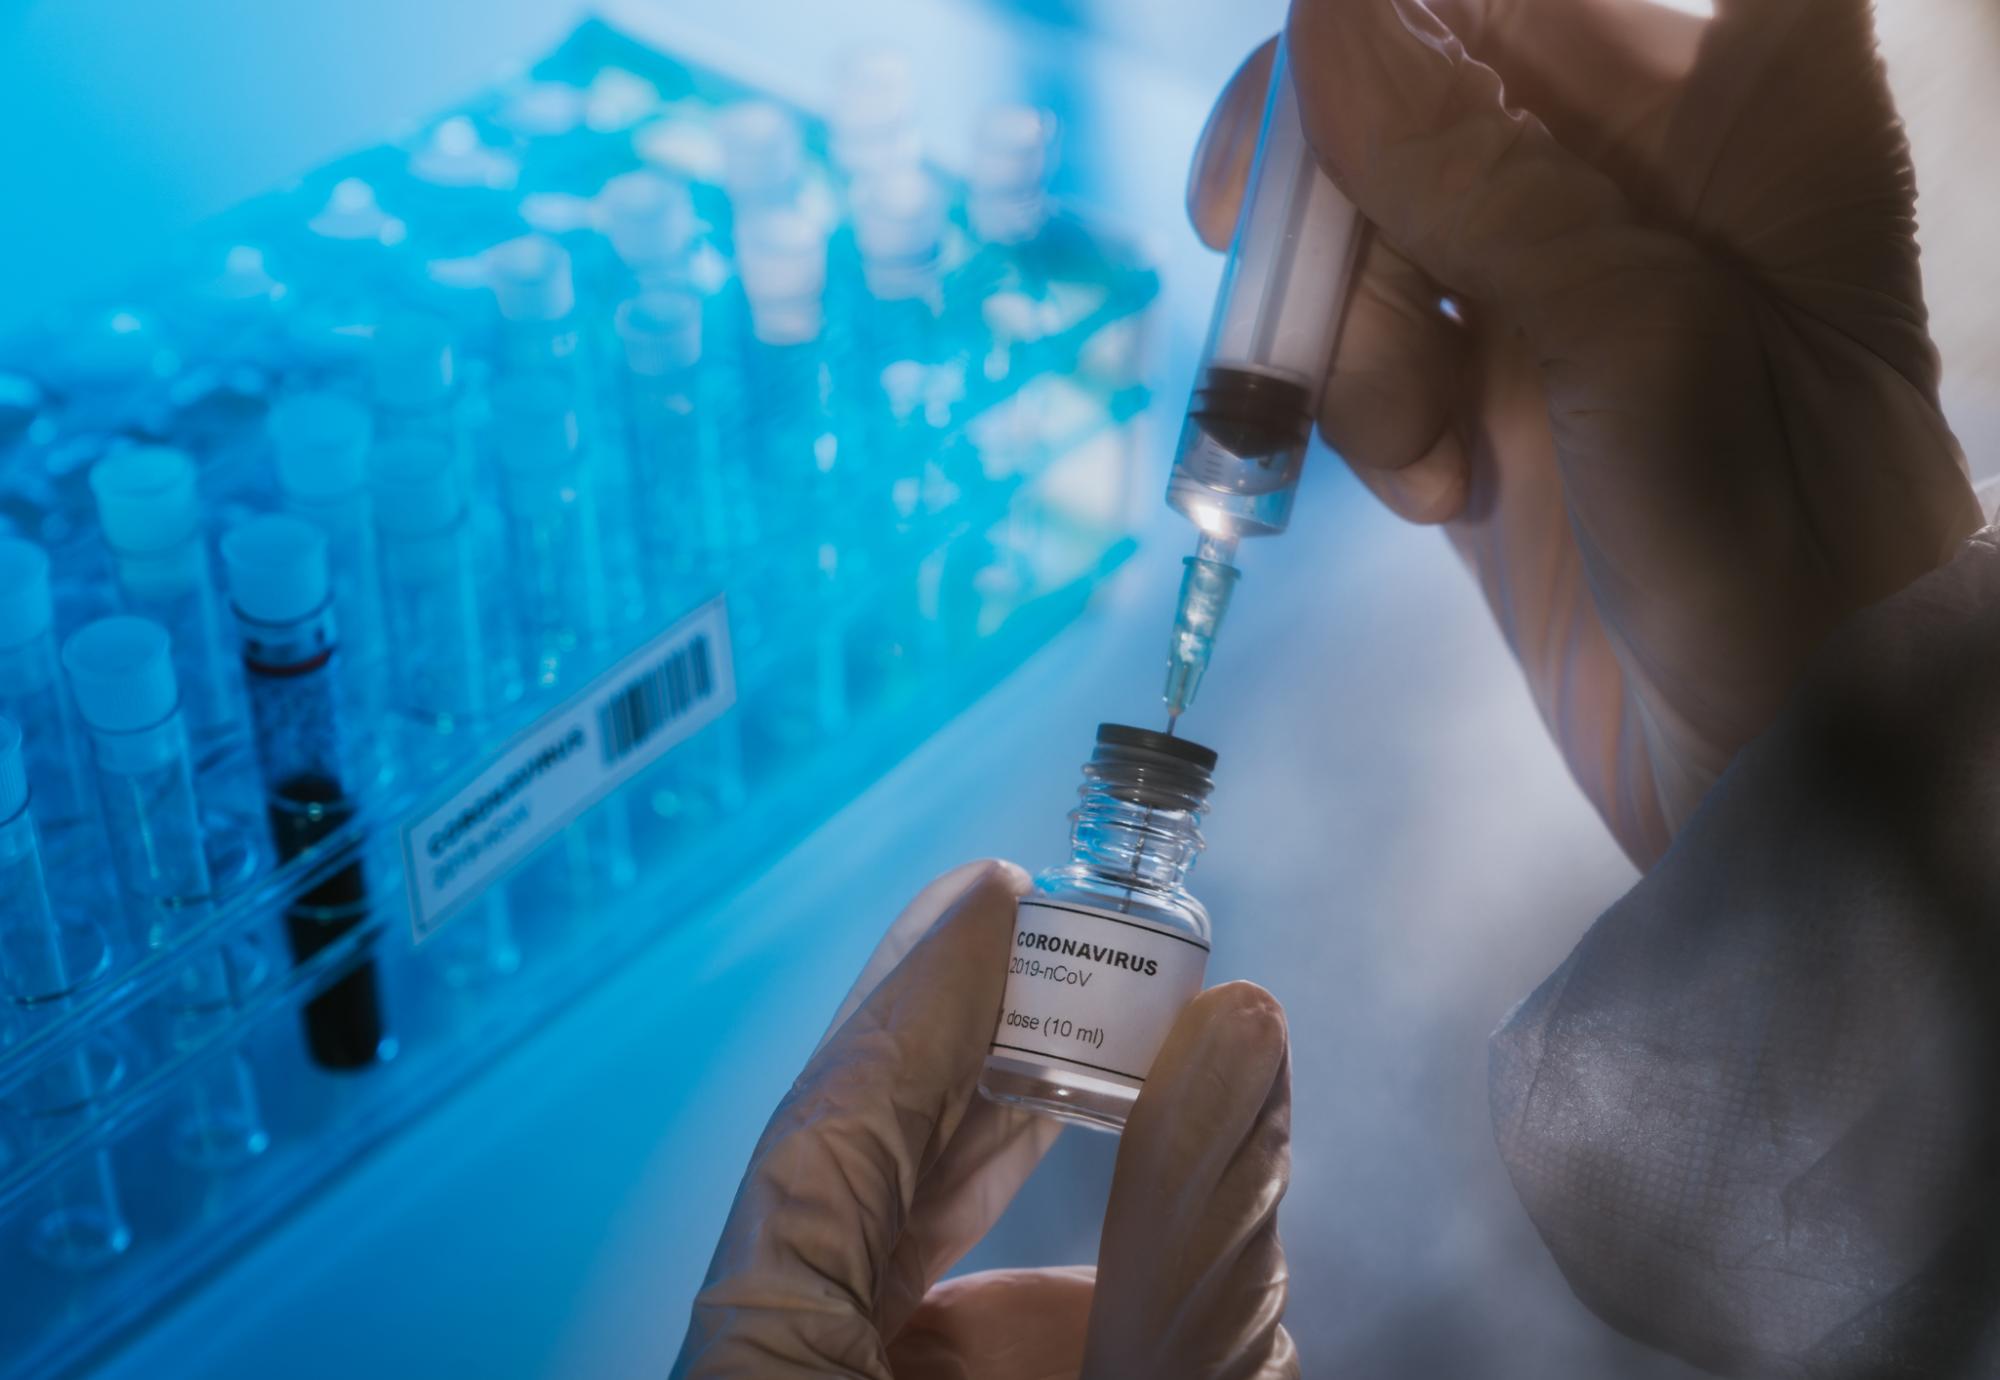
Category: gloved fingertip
<point>1221,163</point>
<point>949,889</point>
<point>995,880</point>
<point>987,898</point>
<point>1428,491</point>
<point>1238,1034</point>
<point>1011,876</point>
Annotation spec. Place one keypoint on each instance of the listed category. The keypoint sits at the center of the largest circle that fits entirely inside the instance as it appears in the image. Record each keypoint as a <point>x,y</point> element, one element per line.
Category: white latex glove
<point>1690,419</point>
<point>884,1166</point>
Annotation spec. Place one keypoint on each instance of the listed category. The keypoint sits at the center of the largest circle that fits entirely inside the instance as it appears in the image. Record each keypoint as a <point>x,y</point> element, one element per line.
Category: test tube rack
<point>867,597</point>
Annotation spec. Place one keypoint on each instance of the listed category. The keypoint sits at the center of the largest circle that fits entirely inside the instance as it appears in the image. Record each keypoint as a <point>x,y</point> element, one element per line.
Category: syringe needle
<point>1205,590</point>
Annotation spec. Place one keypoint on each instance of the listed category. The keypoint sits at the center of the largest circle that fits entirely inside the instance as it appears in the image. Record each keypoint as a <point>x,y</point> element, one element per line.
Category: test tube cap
<point>649,219</point>
<point>1011,146</point>
<point>321,440</point>
<point>414,364</point>
<point>121,673</point>
<point>874,113</point>
<point>536,426</point>
<point>352,215</point>
<point>660,331</point>
<point>1012,149</point>
<point>416,487</point>
<point>898,222</point>
<point>531,279</point>
<point>762,151</point>
<point>453,156</point>
<point>146,498</point>
<point>13,771</point>
<point>243,280</point>
<point>277,568</point>
<point>543,109</point>
<point>781,256</point>
<point>26,606</point>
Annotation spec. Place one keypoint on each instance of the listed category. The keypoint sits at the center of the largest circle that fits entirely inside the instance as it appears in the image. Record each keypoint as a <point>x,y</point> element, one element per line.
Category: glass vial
<point>1109,946</point>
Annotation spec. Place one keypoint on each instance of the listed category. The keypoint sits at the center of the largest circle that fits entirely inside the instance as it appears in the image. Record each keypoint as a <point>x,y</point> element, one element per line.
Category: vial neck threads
<point>1137,822</point>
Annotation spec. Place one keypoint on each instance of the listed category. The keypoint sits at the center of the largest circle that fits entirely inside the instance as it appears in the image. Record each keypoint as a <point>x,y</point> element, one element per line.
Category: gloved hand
<point>1690,418</point>
<point>884,1165</point>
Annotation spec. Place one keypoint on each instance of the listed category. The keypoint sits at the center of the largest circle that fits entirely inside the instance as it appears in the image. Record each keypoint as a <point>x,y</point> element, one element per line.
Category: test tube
<point>350,237</point>
<point>649,233</point>
<point>1007,201</point>
<point>460,192</point>
<point>416,382</point>
<point>231,330</point>
<point>534,287</point>
<point>43,965</point>
<point>781,257</point>
<point>442,681</point>
<point>350,230</point>
<point>559,594</point>
<point>683,501</point>
<point>111,373</point>
<point>453,156</point>
<point>234,313</point>
<point>683,506</point>
<point>874,115</point>
<point>150,515</point>
<point>321,444</point>
<point>649,222</point>
<point>899,219</point>
<point>559,591</point>
<point>430,601</point>
<point>280,588</point>
<point>121,672</point>
<point>763,158</point>
<point>31,695</point>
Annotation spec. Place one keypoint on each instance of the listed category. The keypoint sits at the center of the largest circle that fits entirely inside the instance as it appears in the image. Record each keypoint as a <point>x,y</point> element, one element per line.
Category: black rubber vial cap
<point>1152,740</point>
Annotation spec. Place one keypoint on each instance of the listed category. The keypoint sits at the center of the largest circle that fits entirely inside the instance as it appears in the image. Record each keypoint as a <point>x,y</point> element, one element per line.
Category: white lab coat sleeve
<point>1756,1113</point>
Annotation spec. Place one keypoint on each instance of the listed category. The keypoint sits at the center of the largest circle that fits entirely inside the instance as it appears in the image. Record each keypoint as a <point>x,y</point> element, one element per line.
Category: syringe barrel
<point>1272,334</point>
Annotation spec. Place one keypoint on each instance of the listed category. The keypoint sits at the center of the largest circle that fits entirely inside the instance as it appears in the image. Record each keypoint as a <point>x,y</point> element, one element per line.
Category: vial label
<point>565,762</point>
<point>1094,990</point>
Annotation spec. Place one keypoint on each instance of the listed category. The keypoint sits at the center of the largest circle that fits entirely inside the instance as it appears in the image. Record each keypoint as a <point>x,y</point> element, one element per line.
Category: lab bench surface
<point>1395,850</point>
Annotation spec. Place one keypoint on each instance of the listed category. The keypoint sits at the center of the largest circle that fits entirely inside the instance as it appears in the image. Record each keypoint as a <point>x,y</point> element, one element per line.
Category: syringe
<point>1257,391</point>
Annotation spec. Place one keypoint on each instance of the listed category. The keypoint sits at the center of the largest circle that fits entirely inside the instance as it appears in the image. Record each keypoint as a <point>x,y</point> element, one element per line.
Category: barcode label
<point>654,700</point>
<point>567,761</point>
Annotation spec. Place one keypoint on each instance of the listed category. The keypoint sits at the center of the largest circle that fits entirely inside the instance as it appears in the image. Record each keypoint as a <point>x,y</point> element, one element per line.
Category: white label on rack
<point>1094,990</point>
<point>565,762</point>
